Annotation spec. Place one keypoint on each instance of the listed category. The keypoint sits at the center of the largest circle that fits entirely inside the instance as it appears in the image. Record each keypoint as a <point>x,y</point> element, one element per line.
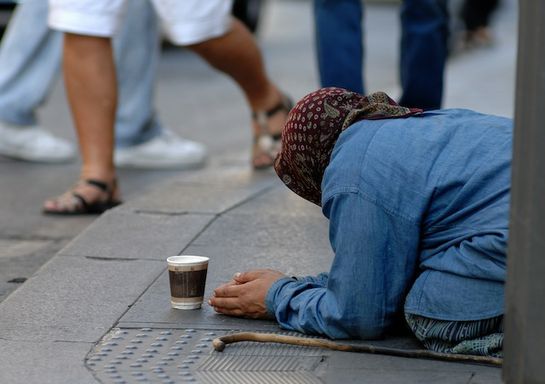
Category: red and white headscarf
<point>312,129</point>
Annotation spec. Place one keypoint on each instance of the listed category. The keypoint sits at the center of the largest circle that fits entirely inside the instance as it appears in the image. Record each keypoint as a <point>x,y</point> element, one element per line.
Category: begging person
<point>418,207</point>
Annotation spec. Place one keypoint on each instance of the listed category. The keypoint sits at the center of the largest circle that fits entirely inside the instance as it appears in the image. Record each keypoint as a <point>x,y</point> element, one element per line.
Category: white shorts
<point>185,21</point>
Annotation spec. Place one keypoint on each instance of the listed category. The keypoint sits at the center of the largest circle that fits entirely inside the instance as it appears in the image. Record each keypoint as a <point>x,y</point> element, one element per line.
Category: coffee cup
<point>187,277</point>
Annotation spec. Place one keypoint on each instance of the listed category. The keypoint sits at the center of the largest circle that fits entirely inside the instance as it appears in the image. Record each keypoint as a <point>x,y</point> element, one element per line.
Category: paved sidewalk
<point>110,286</point>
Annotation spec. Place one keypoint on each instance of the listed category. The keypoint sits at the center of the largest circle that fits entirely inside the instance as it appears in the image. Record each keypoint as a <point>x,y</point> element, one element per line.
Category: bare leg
<point>89,74</point>
<point>237,55</point>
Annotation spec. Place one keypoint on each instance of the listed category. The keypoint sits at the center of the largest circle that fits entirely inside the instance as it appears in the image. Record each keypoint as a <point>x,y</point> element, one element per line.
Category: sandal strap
<point>261,117</point>
<point>81,199</point>
<point>281,106</point>
<point>102,185</point>
<point>80,205</point>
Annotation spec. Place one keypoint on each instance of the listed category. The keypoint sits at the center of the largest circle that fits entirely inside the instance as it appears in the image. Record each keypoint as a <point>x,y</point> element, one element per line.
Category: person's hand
<point>245,295</point>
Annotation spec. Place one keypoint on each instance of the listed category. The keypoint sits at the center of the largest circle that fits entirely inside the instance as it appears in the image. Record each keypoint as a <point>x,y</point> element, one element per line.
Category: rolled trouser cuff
<point>101,20</point>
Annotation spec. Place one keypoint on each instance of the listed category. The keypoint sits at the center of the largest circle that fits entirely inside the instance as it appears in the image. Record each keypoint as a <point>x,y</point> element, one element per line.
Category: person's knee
<point>362,324</point>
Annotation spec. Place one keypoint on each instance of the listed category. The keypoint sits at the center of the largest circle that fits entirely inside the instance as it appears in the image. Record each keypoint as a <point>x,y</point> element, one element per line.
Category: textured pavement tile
<point>212,193</point>
<point>44,363</point>
<point>75,299</point>
<point>119,234</point>
<point>267,231</point>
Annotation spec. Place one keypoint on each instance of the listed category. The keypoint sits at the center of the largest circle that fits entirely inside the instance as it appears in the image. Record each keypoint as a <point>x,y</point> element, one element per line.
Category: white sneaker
<point>33,143</point>
<point>166,151</point>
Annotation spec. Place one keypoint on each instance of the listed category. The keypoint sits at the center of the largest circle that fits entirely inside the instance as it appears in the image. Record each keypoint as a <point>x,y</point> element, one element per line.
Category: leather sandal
<point>266,143</point>
<point>73,203</point>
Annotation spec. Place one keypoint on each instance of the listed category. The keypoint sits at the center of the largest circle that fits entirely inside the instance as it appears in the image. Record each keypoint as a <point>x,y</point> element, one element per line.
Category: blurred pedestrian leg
<point>476,16</point>
<point>339,45</point>
<point>424,26</point>
<point>141,139</point>
<point>236,54</point>
<point>136,52</point>
<point>90,78</point>
<point>30,58</point>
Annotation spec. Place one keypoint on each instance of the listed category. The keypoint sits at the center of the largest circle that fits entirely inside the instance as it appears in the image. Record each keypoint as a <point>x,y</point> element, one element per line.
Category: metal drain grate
<point>149,355</point>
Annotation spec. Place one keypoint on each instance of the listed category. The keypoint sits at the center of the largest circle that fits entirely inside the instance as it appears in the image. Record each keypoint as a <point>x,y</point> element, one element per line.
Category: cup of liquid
<point>187,276</point>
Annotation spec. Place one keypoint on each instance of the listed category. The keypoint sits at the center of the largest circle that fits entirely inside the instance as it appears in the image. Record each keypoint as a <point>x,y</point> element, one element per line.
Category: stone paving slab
<point>23,188</point>
<point>153,309</point>
<point>209,192</point>
<point>358,368</point>
<point>280,201</point>
<point>397,376</point>
<point>19,259</point>
<point>267,231</point>
<point>230,251</point>
<point>75,299</point>
<point>127,235</point>
<point>44,362</point>
<point>11,248</point>
<point>289,261</point>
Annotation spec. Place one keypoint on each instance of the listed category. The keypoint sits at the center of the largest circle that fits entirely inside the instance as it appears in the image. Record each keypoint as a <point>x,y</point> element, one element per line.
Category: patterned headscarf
<point>312,129</point>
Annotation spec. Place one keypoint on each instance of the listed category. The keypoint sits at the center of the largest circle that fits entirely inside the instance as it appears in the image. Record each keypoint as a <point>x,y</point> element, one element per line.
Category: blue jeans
<point>424,25</point>
<point>30,57</point>
<point>339,44</point>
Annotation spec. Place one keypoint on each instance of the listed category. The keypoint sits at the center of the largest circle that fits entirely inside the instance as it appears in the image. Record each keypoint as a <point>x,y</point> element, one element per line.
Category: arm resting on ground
<point>374,266</point>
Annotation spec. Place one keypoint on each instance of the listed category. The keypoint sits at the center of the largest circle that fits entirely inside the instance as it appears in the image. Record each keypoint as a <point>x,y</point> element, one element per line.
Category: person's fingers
<point>245,277</point>
<point>225,302</point>
<point>228,290</point>
<point>237,312</point>
<point>240,278</point>
<point>229,312</point>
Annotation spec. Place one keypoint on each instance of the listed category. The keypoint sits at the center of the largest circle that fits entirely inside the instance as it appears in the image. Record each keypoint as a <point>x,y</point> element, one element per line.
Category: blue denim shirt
<point>418,211</point>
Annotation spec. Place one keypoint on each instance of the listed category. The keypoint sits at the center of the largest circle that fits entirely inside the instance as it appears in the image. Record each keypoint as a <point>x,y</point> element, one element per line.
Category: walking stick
<point>220,343</point>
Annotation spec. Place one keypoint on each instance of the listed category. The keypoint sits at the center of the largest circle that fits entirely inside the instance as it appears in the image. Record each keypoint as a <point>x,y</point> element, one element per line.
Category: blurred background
<point>480,77</point>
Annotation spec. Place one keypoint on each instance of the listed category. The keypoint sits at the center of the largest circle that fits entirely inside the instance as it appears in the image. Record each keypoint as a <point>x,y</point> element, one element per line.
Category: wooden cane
<point>220,343</point>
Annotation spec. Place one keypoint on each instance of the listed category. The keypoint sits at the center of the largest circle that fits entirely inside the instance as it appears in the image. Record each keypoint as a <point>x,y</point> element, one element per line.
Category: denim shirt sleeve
<point>374,264</point>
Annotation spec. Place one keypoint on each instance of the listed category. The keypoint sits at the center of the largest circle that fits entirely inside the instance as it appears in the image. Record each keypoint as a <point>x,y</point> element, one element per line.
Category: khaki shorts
<point>184,21</point>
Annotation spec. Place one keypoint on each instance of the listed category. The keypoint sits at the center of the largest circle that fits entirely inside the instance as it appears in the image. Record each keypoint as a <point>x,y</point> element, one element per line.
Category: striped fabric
<point>480,337</point>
